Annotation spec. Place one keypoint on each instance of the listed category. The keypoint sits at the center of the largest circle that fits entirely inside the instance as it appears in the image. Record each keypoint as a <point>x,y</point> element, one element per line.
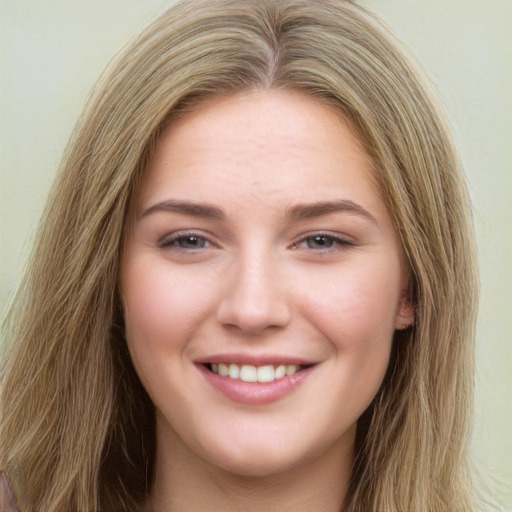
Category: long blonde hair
<point>76,427</point>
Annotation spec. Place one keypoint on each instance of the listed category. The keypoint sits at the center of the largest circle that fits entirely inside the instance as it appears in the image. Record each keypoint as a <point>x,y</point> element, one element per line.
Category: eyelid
<point>167,240</point>
<point>340,240</point>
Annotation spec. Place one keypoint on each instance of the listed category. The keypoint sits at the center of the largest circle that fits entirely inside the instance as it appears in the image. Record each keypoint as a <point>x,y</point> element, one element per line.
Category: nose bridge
<point>255,297</point>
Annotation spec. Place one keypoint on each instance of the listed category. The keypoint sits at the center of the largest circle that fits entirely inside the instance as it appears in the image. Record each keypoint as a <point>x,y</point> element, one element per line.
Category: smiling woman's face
<point>259,247</point>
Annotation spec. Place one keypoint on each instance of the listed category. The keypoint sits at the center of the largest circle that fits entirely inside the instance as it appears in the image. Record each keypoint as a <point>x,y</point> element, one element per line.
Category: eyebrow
<point>297,212</point>
<point>203,210</point>
<point>318,209</point>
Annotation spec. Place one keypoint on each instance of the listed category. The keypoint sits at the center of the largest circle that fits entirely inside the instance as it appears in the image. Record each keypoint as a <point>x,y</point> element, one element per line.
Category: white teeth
<point>234,371</point>
<point>291,369</point>
<point>251,373</point>
<point>248,373</point>
<point>265,373</point>
<point>280,371</point>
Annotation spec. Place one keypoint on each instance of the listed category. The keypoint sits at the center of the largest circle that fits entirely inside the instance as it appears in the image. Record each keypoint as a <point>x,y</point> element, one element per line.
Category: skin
<point>255,281</point>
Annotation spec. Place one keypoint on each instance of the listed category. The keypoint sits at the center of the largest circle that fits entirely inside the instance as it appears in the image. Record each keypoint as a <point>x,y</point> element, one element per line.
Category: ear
<point>405,314</point>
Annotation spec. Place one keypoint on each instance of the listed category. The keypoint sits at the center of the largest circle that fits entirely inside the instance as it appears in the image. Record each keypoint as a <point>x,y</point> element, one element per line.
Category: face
<point>261,282</point>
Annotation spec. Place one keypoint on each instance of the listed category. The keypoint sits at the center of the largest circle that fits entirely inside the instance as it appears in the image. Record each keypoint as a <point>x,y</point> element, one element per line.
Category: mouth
<point>255,373</point>
<point>259,381</point>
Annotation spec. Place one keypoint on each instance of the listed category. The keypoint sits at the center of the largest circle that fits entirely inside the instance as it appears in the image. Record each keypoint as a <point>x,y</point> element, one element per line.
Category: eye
<point>185,241</point>
<point>322,242</point>
<point>191,242</point>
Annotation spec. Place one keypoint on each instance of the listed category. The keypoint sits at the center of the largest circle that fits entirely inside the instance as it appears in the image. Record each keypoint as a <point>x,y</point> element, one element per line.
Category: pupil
<point>320,241</point>
<point>191,241</point>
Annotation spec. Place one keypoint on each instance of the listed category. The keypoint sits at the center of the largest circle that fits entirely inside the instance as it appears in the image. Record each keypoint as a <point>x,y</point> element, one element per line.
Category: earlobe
<point>406,314</point>
<point>405,317</point>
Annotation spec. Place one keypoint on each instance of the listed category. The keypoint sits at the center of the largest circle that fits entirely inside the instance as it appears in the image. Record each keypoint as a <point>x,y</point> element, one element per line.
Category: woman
<point>254,285</point>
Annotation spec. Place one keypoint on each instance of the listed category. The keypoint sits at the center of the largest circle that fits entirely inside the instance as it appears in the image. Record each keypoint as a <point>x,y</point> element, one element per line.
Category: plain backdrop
<point>52,52</point>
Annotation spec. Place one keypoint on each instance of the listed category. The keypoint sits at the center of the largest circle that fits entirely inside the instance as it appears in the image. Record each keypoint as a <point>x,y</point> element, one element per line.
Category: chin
<point>264,464</point>
<point>257,456</point>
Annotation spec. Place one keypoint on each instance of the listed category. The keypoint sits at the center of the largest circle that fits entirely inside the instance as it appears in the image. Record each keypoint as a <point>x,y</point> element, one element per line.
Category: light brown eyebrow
<point>297,212</point>
<point>318,209</point>
<point>204,210</point>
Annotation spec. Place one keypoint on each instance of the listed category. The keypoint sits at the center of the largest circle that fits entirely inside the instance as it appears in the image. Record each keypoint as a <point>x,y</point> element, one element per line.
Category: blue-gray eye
<point>191,242</point>
<point>320,242</point>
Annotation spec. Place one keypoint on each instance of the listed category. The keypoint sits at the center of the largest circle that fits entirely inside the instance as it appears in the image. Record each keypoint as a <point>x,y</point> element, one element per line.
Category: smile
<point>260,383</point>
<point>253,373</point>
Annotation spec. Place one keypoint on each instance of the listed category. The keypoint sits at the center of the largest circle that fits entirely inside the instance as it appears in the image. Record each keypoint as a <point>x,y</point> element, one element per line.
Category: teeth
<point>266,374</point>
<point>280,371</point>
<point>291,369</point>
<point>248,373</point>
<point>251,373</point>
<point>234,371</point>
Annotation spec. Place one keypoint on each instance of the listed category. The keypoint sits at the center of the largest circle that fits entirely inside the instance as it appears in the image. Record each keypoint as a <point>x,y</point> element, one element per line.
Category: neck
<point>186,483</point>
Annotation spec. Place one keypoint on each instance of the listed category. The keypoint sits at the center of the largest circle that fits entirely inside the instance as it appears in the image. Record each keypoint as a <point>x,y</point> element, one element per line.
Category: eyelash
<point>337,242</point>
<point>174,239</point>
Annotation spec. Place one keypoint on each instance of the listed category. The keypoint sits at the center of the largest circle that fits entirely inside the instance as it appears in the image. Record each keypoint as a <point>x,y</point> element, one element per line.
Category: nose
<point>255,296</point>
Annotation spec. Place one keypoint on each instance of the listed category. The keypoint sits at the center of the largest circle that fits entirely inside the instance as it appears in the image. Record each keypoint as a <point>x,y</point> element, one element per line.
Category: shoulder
<point>7,497</point>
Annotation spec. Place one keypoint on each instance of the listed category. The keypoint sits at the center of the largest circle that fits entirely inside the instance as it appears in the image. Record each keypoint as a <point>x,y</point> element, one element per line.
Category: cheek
<point>148,319</point>
<point>162,309</point>
<point>356,307</point>
<point>148,309</point>
<point>160,305</point>
<point>356,314</point>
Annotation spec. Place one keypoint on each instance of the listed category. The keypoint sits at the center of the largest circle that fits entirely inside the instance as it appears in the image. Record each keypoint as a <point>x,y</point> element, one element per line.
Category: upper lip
<point>255,359</point>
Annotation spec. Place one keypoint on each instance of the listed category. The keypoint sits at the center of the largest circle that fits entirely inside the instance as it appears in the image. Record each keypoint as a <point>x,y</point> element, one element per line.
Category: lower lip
<point>255,393</point>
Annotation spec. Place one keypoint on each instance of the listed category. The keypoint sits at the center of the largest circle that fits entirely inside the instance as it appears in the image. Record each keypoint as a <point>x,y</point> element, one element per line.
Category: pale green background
<point>52,51</point>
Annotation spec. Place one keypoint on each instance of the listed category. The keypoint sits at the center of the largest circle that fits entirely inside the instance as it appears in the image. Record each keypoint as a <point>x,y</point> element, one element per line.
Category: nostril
<point>253,316</point>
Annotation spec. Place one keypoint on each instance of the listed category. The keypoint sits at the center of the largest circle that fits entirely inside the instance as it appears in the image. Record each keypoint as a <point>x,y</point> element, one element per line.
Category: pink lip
<point>254,393</point>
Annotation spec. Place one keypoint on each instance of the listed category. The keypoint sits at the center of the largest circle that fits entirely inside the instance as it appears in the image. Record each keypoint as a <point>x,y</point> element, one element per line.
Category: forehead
<point>271,141</point>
